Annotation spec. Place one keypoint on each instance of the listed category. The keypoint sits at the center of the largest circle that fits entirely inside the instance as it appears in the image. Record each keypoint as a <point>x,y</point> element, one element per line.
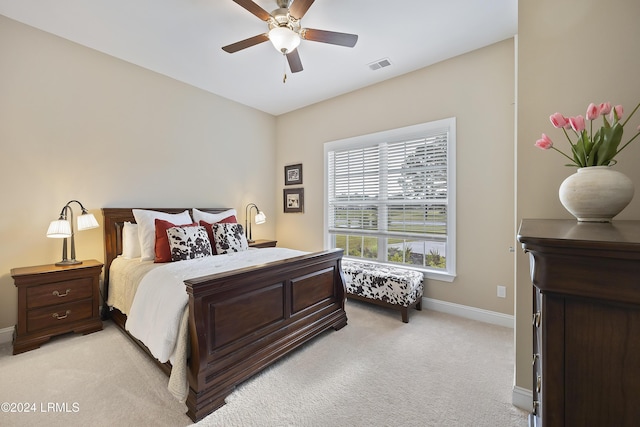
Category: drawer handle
<point>57,316</point>
<point>535,357</point>
<point>536,405</point>
<point>538,383</point>
<point>536,319</point>
<point>59,295</point>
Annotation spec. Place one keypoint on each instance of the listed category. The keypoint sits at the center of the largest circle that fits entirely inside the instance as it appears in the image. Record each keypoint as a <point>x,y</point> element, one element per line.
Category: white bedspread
<point>161,299</point>
<point>124,277</point>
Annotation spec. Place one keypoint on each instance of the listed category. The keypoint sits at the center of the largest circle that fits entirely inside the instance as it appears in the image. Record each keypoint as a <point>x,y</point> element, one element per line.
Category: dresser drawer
<point>59,315</point>
<point>59,292</point>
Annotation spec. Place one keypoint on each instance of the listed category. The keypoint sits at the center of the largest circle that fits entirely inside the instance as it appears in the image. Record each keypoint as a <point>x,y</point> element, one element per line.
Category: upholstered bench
<point>394,287</point>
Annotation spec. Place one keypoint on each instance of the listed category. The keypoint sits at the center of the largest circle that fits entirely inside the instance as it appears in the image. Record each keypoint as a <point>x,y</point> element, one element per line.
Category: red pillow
<point>162,248</point>
<point>209,227</point>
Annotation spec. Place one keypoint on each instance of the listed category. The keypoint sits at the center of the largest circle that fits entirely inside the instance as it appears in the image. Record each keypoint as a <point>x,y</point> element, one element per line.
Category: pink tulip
<point>544,143</point>
<point>577,123</point>
<point>617,110</point>
<point>605,108</point>
<point>593,111</point>
<point>558,120</point>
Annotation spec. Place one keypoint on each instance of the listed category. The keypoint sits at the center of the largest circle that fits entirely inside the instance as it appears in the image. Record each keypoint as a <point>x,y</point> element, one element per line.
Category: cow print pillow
<point>188,243</point>
<point>229,237</point>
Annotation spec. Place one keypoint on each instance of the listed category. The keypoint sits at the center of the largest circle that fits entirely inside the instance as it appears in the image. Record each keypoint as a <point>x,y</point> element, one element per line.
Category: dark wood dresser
<point>54,300</point>
<point>586,321</point>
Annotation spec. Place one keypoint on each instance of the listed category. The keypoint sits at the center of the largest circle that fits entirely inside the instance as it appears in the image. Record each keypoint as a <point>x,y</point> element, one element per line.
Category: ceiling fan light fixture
<point>284,39</point>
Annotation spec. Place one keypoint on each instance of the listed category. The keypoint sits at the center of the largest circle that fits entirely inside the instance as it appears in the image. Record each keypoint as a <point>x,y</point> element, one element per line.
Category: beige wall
<point>570,53</point>
<point>77,124</point>
<point>478,89</point>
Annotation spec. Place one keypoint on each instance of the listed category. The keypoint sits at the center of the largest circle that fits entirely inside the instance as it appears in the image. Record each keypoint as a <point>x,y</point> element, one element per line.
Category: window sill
<point>443,277</point>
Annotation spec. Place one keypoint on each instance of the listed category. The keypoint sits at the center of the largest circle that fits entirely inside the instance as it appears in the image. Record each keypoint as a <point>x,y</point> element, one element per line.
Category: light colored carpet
<point>437,370</point>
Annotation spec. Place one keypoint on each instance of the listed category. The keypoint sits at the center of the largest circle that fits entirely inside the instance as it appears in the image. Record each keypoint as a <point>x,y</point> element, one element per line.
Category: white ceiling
<point>182,39</point>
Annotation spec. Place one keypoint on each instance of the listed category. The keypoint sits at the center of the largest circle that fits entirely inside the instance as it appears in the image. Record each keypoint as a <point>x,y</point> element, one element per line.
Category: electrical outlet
<point>502,291</point>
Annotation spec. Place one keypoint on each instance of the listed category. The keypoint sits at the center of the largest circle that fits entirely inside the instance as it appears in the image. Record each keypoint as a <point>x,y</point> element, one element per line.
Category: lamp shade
<point>59,229</point>
<point>284,39</point>
<point>87,221</point>
<point>260,218</point>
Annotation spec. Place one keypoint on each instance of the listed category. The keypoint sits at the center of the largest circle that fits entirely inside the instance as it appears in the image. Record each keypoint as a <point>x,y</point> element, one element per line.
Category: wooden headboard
<point>114,219</point>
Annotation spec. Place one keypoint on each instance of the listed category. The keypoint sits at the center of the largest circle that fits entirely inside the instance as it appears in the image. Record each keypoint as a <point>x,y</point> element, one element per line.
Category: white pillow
<point>212,218</point>
<point>130,241</point>
<point>146,220</point>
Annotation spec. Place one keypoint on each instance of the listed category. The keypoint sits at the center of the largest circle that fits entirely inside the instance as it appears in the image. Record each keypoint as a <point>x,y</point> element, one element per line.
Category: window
<point>390,197</point>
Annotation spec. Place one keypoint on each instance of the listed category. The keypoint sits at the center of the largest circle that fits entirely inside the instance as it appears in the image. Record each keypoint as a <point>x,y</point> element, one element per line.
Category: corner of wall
<point>6,335</point>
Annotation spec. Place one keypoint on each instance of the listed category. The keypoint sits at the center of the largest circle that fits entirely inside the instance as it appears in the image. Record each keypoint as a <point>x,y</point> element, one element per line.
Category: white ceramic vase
<point>596,193</point>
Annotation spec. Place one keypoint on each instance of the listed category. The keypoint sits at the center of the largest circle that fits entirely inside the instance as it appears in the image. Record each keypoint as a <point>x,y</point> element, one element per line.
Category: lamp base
<point>68,262</point>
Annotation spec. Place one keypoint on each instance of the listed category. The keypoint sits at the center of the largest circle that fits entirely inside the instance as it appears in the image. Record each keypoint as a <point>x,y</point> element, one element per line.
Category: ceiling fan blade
<point>243,44</point>
<point>294,61</point>
<point>254,8</point>
<point>341,39</point>
<point>299,8</point>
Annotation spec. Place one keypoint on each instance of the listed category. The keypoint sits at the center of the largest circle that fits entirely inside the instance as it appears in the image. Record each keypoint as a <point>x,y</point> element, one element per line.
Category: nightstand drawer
<point>59,292</point>
<point>59,315</point>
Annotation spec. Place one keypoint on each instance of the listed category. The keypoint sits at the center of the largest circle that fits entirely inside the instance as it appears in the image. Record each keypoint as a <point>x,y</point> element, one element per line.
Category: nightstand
<point>263,243</point>
<point>54,300</point>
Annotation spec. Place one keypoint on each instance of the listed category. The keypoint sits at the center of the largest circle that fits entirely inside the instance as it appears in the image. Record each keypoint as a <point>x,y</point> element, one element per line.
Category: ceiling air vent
<point>380,64</point>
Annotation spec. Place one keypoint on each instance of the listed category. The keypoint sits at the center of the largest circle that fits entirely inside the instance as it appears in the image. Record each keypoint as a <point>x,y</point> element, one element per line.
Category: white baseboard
<point>473,313</point>
<point>6,335</point>
<point>522,398</point>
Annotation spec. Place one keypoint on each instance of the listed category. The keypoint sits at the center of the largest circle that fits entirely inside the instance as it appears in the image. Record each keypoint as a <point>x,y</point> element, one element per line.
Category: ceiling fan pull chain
<point>284,69</point>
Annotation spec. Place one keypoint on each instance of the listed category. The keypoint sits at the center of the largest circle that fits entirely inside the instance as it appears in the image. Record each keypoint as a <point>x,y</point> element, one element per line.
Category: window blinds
<point>389,189</point>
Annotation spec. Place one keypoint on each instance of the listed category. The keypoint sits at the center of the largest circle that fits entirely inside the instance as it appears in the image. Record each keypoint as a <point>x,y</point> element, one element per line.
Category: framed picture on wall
<point>293,174</point>
<point>293,200</point>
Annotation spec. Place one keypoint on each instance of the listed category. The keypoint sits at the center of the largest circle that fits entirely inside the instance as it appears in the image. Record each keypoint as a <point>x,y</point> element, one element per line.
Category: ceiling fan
<point>285,31</point>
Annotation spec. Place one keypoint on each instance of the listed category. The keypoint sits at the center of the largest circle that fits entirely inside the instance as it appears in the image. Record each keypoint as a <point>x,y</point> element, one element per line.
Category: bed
<point>241,321</point>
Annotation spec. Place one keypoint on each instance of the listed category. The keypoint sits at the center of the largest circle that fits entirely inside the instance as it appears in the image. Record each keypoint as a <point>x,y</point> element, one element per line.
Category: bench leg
<point>405,310</point>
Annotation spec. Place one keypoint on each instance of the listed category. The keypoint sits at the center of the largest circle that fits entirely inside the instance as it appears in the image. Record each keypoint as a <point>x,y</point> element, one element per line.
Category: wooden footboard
<point>242,321</point>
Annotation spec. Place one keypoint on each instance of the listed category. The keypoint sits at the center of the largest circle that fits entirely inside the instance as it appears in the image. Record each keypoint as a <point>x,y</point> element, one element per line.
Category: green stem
<point>572,160</point>
<point>632,113</point>
<point>628,142</point>
<point>585,156</point>
<point>567,135</point>
<point>573,149</point>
